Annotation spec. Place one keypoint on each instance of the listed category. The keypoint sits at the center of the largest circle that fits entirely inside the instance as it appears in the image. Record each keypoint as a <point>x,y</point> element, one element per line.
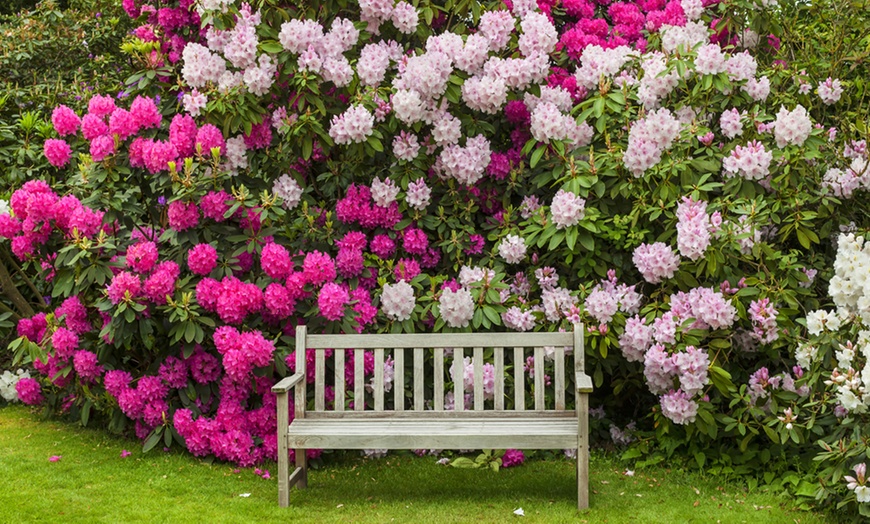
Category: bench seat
<point>366,432</point>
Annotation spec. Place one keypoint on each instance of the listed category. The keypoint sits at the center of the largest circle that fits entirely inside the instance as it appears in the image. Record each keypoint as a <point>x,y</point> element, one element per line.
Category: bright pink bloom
<point>182,215</point>
<point>209,137</point>
<point>123,283</point>
<point>123,124</point>
<point>214,205</point>
<point>57,152</point>
<point>93,126</point>
<point>202,259</point>
<point>331,301</point>
<point>29,392</point>
<point>65,120</point>
<point>142,256</point>
<point>275,261</point>
<point>145,111</point>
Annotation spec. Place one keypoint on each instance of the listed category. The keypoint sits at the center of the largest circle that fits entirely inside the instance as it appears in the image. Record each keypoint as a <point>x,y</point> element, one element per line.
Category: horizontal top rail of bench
<point>439,340</point>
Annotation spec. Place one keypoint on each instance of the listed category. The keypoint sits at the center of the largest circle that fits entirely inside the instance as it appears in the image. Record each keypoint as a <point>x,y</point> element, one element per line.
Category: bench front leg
<point>281,389</point>
<point>584,387</point>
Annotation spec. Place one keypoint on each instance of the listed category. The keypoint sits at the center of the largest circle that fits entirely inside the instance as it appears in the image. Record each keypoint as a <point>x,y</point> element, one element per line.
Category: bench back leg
<point>583,451</point>
<point>302,465</point>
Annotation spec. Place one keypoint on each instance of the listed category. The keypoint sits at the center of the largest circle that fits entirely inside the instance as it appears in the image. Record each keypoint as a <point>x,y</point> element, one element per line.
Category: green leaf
<point>86,412</point>
<point>536,155</point>
<point>271,46</point>
<point>375,144</point>
<point>464,463</point>
<point>152,439</point>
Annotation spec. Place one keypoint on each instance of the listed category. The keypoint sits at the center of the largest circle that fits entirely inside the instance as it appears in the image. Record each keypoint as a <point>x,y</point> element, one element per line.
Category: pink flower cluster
<point>567,209</point>
<point>694,227</point>
<point>763,316</point>
<point>609,296</point>
<point>242,352</point>
<point>238,432</point>
<point>357,208</point>
<point>656,261</point>
<point>230,298</point>
<point>107,126</point>
<point>154,286</point>
<point>792,127</point>
<point>29,391</point>
<point>752,162</point>
<point>709,308</point>
<point>648,139</point>
<point>37,210</point>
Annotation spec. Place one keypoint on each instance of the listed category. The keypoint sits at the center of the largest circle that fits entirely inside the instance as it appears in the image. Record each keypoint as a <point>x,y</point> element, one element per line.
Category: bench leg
<point>583,452</point>
<point>283,452</point>
<point>302,463</point>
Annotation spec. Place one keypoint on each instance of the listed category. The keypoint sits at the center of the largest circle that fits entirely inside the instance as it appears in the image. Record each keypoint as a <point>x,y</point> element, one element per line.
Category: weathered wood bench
<point>415,416</point>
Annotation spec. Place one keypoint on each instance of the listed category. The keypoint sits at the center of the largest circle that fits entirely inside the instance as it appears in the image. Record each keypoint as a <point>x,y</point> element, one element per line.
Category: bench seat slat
<point>415,433</point>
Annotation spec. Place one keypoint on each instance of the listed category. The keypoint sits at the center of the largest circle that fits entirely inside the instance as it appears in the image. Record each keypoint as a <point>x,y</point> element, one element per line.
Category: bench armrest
<point>584,382</point>
<point>287,383</point>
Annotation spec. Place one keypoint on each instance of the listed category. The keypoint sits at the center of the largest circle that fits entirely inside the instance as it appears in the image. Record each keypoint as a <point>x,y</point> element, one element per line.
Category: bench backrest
<point>510,372</point>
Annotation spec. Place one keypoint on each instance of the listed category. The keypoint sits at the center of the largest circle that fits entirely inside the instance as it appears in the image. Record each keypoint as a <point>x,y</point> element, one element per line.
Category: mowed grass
<point>92,483</point>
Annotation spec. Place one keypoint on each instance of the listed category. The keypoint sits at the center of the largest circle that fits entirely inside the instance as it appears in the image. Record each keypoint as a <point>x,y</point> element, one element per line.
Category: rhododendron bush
<point>649,169</point>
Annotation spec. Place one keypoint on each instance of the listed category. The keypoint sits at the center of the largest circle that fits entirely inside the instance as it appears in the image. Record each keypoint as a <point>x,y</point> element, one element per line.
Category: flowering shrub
<point>634,166</point>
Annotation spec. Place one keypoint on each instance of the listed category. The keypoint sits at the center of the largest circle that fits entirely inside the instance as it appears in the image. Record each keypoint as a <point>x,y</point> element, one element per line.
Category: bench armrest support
<point>583,382</point>
<point>288,383</point>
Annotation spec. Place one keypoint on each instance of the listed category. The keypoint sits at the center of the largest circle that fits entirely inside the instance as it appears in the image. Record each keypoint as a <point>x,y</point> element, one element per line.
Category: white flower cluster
<point>850,285</point>
<point>384,192</point>
<point>596,62</point>
<point>398,301</point>
<point>238,46</point>
<point>7,384</point>
<point>567,209</point>
<point>469,275</point>
<point>792,127</point>
<point>687,36</point>
<point>354,125</point>
<point>465,164</point>
<point>418,194</point>
<point>850,290</point>
<point>512,249</point>
<point>289,190</point>
<point>457,308</point>
<point>648,138</point>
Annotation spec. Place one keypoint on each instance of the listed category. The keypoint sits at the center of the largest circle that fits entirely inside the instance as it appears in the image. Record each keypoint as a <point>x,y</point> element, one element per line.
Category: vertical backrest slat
<point>499,378</point>
<point>439,379</point>
<point>339,379</point>
<point>399,379</point>
<point>519,381</point>
<point>418,379</point>
<point>319,381</point>
<point>478,379</point>
<point>539,378</point>
<point>560,378</point>
<point>379,379</point>
<point>579,359</point>
<point>458,379</point>
<point>359,397</point>
<point>301,393</point>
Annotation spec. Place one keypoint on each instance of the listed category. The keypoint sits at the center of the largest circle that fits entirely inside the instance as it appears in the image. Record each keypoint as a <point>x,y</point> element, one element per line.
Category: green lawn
<point>93,483</point>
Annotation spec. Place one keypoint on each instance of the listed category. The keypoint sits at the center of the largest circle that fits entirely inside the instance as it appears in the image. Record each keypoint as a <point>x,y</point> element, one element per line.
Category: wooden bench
<point>413,416</point>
